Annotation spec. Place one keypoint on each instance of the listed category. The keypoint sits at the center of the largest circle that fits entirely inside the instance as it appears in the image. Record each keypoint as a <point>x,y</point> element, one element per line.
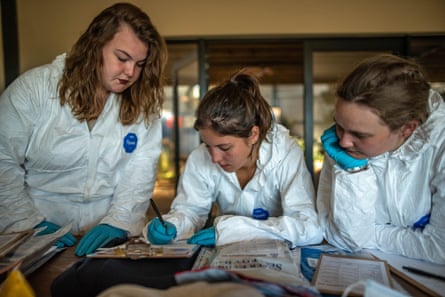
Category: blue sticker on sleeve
<point>130,142</point>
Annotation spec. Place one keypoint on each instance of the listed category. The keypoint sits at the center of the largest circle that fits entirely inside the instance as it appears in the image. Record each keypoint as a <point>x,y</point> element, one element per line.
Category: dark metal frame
<point>10,40</point>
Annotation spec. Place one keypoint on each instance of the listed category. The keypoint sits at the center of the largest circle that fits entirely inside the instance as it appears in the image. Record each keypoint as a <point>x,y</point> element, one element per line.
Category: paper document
<point>9,241</point>
<point>32,251</point>
<point>335,273</point>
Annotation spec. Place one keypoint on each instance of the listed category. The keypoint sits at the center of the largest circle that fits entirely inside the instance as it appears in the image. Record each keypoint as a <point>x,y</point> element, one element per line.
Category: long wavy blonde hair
<point>81,78</point>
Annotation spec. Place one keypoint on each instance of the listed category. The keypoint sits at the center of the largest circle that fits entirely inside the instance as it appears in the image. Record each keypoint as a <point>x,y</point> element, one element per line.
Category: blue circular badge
<point>260,214</point>
<point>130,142</point>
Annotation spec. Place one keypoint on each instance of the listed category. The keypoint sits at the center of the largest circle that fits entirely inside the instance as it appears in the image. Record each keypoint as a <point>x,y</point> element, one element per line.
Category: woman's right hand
<point>329,140</point>
<point>159,233</point>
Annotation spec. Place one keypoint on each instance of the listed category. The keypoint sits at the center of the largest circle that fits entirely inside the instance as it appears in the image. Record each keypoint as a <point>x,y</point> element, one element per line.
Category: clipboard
<point>138,248</point>
<point>431,287</point>
<point>334,273</point>
<point>413,282</point>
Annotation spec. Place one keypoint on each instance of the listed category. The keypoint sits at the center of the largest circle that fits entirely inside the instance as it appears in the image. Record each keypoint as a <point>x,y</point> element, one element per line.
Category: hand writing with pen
<point>159,232</point>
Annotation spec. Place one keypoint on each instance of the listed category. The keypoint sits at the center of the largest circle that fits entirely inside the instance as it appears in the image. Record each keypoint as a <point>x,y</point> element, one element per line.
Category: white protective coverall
<point>282,185</point>
<point>377,207</point>
<point>53,167</point>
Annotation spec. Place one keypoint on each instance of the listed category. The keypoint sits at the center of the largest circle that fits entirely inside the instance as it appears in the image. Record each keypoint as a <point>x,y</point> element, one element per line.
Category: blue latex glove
<point>422,222</point>
<point>158,233</point>
<point>205,237</point>
<point>98,237</point>
<point>329,140</point>
<point>66,240</point>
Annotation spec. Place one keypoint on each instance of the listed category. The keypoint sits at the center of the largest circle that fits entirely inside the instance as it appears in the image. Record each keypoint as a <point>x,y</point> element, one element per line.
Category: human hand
<point>98,237</point>
<point>66,240</point>
<point>205,237</point>
<point>159,233</point>
<point>329,140</point>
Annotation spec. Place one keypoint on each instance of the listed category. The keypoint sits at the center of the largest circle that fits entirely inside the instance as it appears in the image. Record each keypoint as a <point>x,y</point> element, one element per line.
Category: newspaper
<point>269,260</point>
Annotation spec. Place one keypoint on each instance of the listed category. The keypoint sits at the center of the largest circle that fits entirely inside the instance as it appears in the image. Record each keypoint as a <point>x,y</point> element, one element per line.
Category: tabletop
<point>41,279</point>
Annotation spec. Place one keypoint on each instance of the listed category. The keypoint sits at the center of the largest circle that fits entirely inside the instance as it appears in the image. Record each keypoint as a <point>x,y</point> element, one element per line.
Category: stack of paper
<point>29,251</point>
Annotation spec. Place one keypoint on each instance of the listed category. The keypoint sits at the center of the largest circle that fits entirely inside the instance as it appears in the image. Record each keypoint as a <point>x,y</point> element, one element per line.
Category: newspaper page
<point>269,260</point>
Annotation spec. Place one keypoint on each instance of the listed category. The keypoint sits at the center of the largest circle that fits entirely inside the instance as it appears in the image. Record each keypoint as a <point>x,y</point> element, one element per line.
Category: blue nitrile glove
<point>66,240</point>
<point>205,237</point>
<point>158,233</point>
<point>98,237</point>
<point>422,222</point>
<point>329,140</point>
